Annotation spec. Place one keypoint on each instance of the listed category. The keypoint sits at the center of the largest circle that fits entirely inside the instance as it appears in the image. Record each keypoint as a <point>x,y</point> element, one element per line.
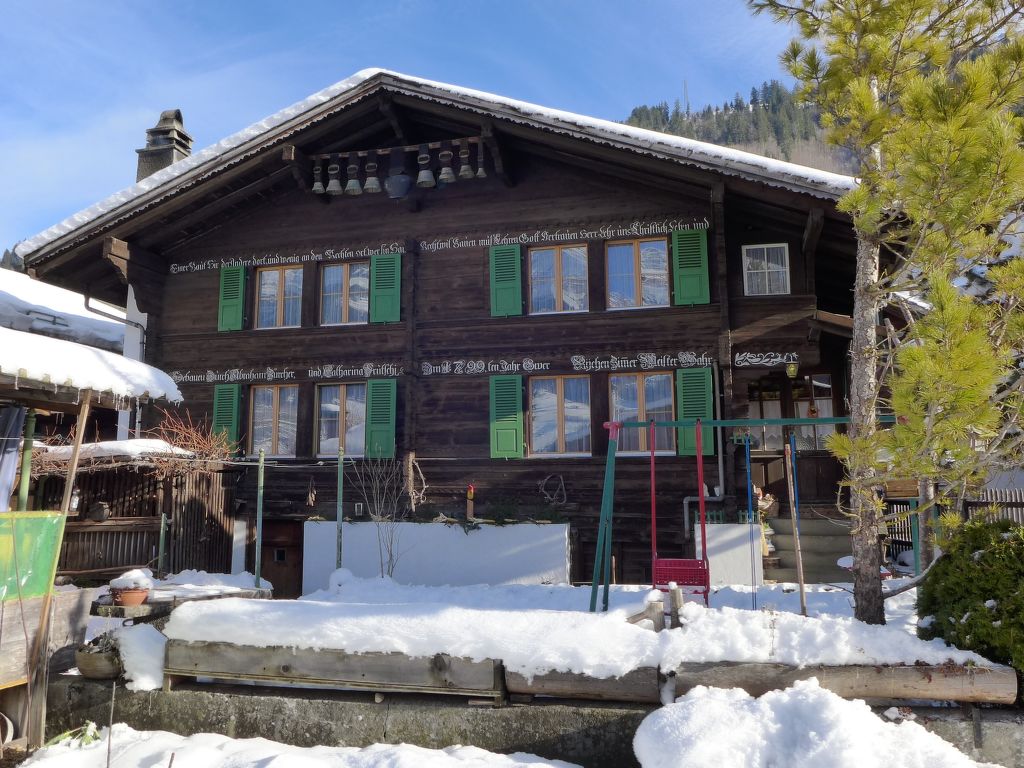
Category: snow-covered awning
<point>145,448</point>
<point>277,127</point>
<point>38,362</point>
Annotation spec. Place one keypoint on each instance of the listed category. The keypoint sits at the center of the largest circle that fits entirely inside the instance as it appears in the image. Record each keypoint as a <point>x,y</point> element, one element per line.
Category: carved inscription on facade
<point>765,359</point>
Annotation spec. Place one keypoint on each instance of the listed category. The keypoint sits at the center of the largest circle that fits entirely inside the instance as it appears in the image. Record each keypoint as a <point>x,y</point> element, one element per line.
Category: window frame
<point>747,271</point>
<point>645,450</point>
<point>559,380</point>
<point>275,420</point>
<point>559,294</point>
<point>638,291</point>
<point>281,282</point>
<point>346,282</point>
<point>342,419</point>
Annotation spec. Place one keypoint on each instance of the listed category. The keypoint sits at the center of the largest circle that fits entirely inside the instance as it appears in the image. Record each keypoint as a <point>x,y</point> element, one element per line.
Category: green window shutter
<point>225,409</point>
<point>690,266</point>
<point>506,281</point>
<point>232,299</point>
<point>695,398</point>
<point>385,288</point>
<point>380,418</point>
<point>506,417</point>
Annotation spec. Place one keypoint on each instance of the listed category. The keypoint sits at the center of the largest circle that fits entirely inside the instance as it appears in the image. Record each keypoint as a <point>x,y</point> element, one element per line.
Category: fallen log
<point>640,685</point>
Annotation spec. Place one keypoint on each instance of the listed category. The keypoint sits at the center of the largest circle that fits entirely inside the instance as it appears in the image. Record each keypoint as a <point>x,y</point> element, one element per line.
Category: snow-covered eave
<point>276,128</point>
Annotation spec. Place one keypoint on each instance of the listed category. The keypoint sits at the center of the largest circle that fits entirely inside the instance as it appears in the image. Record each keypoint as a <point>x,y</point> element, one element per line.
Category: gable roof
<point>280,125</point>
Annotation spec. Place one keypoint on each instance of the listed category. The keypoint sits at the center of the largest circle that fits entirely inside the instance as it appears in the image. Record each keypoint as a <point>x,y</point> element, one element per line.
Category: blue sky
<point>81,80</point>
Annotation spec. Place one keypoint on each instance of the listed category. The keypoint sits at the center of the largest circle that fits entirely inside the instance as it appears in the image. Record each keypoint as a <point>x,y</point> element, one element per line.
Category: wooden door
<point>281,557</point>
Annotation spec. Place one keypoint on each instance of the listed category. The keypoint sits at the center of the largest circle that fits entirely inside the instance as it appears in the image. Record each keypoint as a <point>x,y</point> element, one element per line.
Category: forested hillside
<point>771,123</point>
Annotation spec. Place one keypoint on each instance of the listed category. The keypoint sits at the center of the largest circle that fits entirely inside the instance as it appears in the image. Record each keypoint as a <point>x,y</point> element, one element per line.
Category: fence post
<point>259,518</point>
<point>341,495</point>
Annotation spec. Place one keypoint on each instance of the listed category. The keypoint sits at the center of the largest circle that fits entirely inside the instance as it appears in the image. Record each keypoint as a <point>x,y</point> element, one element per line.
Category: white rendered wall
<point>238,536</point>
<point>731,554</point>
<point>437,554</point>
<point>134,346</point>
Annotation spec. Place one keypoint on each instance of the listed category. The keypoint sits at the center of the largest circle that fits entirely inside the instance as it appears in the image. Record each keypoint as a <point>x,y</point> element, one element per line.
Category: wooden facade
<point>546,186</point>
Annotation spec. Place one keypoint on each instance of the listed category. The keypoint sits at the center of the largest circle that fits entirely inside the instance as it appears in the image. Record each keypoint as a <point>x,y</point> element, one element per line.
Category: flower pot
<point>98,666</point>
<point>129,596</point>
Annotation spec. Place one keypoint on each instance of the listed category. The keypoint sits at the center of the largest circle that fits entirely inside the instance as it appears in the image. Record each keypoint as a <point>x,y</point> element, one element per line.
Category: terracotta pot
<point>129,596</point>
<point>98,666</point>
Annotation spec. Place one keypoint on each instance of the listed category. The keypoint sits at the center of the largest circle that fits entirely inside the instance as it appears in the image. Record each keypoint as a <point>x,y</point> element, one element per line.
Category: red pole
<point>654,513</point>
<point>700,495</point>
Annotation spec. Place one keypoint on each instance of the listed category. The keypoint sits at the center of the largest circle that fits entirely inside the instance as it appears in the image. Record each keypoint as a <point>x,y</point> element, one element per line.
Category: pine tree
<point>922,93</point>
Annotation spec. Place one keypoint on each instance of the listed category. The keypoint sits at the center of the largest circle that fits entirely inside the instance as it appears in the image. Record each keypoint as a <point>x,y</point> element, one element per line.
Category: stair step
<point>810,526</point>
<point>817,576</point>
<point>812,560</point>
<point>837,545</point>
<point>770,562</point>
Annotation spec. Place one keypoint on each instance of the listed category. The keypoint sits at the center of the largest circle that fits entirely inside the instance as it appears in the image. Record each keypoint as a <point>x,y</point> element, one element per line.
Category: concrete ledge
<point>596,735</point>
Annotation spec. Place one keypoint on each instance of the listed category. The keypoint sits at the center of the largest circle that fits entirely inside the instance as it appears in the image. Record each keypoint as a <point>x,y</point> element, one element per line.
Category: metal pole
<point>754,516</point>
<point>341,496</point>
<point>607,498</point>
<point>795,501</point>
<point>26,460</point>
<point>654,509</point>
<point>259,518</point>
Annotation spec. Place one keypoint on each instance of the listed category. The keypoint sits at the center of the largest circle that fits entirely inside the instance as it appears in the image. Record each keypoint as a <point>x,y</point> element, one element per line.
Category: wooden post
<point>675,598</point>
<point>257,555</point>
<point>26,460</point>
<point>83,417</point>
<point>796,528</point>
<point>655,610</point>
<point>470,493</point>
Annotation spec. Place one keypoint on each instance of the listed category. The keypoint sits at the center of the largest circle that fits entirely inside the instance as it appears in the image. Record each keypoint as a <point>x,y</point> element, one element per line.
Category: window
<point>345,294</point>
<point>766,269</point>
<point>560,414</point>
<point>274,413</point>
<point>812,398</point>
<point>558,279</point>
<point>338,404</point>
<point>279,297</point>
<point>638,274</point>
<point>766,403</point>
<point>642,397</point>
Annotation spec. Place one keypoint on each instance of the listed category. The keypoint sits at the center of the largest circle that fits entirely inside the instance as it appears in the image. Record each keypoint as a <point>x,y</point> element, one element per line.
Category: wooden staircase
<point>822,542</point>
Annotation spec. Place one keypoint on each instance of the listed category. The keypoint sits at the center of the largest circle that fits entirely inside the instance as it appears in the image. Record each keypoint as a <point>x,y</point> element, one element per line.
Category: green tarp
<point>29,547</point>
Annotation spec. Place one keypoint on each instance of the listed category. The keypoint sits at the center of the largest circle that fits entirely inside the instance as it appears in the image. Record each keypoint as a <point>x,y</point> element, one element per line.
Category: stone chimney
<point>166,143</point>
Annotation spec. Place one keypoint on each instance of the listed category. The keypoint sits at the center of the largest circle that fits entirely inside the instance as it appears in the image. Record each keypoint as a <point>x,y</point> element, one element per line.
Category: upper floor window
<point>558,279</point>
<point>638,274</point>
<point>274,415</point>
<point>766,269</point>
<point>279,297</point>
<point>560,415</point>
<point>345,293</point>
<point>642,397</point>
<point>341,416</point>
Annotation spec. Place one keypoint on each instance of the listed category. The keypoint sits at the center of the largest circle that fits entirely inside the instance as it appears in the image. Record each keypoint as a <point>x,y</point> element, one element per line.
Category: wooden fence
<point>198,507</point>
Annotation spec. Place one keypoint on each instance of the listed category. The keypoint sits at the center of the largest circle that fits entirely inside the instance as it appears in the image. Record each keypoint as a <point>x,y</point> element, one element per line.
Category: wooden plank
<point>640,685</point>
<point>996,685</point>
<point>367,671</point>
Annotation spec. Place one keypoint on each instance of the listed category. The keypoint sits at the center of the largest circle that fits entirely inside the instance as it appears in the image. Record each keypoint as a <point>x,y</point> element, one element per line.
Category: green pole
<point>341,496</point>
<point>915,536</point>
<point>259,517</point>
<point>604,526</point>
<point>161,551</point>
<point>26,460</point>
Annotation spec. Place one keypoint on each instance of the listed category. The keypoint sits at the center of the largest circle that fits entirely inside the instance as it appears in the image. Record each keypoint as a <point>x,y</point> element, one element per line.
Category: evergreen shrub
<point>975,592</point>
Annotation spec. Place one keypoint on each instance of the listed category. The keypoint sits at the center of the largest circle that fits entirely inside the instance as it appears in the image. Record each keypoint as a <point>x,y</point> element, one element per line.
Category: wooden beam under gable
<point>812,233</point>
<point>398,124</point>
<point>300,166</point>
<point>143,270</point>
<point>501,169</point>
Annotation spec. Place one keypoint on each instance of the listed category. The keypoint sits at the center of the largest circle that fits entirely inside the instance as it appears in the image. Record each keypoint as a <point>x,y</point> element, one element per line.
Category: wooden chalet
<point>522,276</point>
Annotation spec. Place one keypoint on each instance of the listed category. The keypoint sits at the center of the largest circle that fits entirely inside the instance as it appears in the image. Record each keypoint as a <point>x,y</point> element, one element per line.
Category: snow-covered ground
<point>153,749</point>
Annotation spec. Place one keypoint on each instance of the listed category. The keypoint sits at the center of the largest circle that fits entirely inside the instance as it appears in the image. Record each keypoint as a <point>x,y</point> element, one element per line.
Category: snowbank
<point>800,727</point>
<point>65,363</point>
<point>207,750</point>
<point>142,654</point>
<point>37,307</point>
<point>117,449</point>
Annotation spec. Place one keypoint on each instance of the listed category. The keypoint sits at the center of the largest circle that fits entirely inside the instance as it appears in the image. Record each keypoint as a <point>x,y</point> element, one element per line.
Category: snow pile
<point>207,750</point>
<point>64,363</point>
<point>142,654</point>
<point>229,581</point>
<point>691,151</point>
<point>139,578</point>
<point>119,449</point>
<point>37,307</point>
<point>800,727</point>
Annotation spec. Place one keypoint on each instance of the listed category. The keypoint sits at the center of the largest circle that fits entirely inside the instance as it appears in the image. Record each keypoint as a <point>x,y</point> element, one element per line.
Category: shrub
<point>975,592</point>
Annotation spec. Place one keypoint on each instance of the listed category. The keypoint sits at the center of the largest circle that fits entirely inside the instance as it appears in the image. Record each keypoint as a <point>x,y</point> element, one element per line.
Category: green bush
<point>975,592</point>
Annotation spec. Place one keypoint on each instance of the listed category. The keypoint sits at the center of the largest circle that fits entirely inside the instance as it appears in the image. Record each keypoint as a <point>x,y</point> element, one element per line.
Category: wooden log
<point>365,671</point>
<point>640,685</point>
<point>949,682</point>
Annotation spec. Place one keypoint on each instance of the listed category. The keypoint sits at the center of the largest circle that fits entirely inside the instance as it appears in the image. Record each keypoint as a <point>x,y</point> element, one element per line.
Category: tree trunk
<point>864,507</point>
<point>926,501</point>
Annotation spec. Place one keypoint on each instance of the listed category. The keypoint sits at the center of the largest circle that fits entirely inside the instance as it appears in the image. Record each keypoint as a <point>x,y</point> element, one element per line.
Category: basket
<point>98,666</point>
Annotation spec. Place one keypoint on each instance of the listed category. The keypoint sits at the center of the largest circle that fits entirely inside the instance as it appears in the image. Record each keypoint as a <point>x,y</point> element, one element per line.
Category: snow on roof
<point>688,151</point>
<point>31,305</point>
<point>35,359</point>
<point>117,449</point>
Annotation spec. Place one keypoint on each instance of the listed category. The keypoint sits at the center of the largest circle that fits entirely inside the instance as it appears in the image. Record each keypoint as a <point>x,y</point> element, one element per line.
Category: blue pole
<point>755,519</point>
